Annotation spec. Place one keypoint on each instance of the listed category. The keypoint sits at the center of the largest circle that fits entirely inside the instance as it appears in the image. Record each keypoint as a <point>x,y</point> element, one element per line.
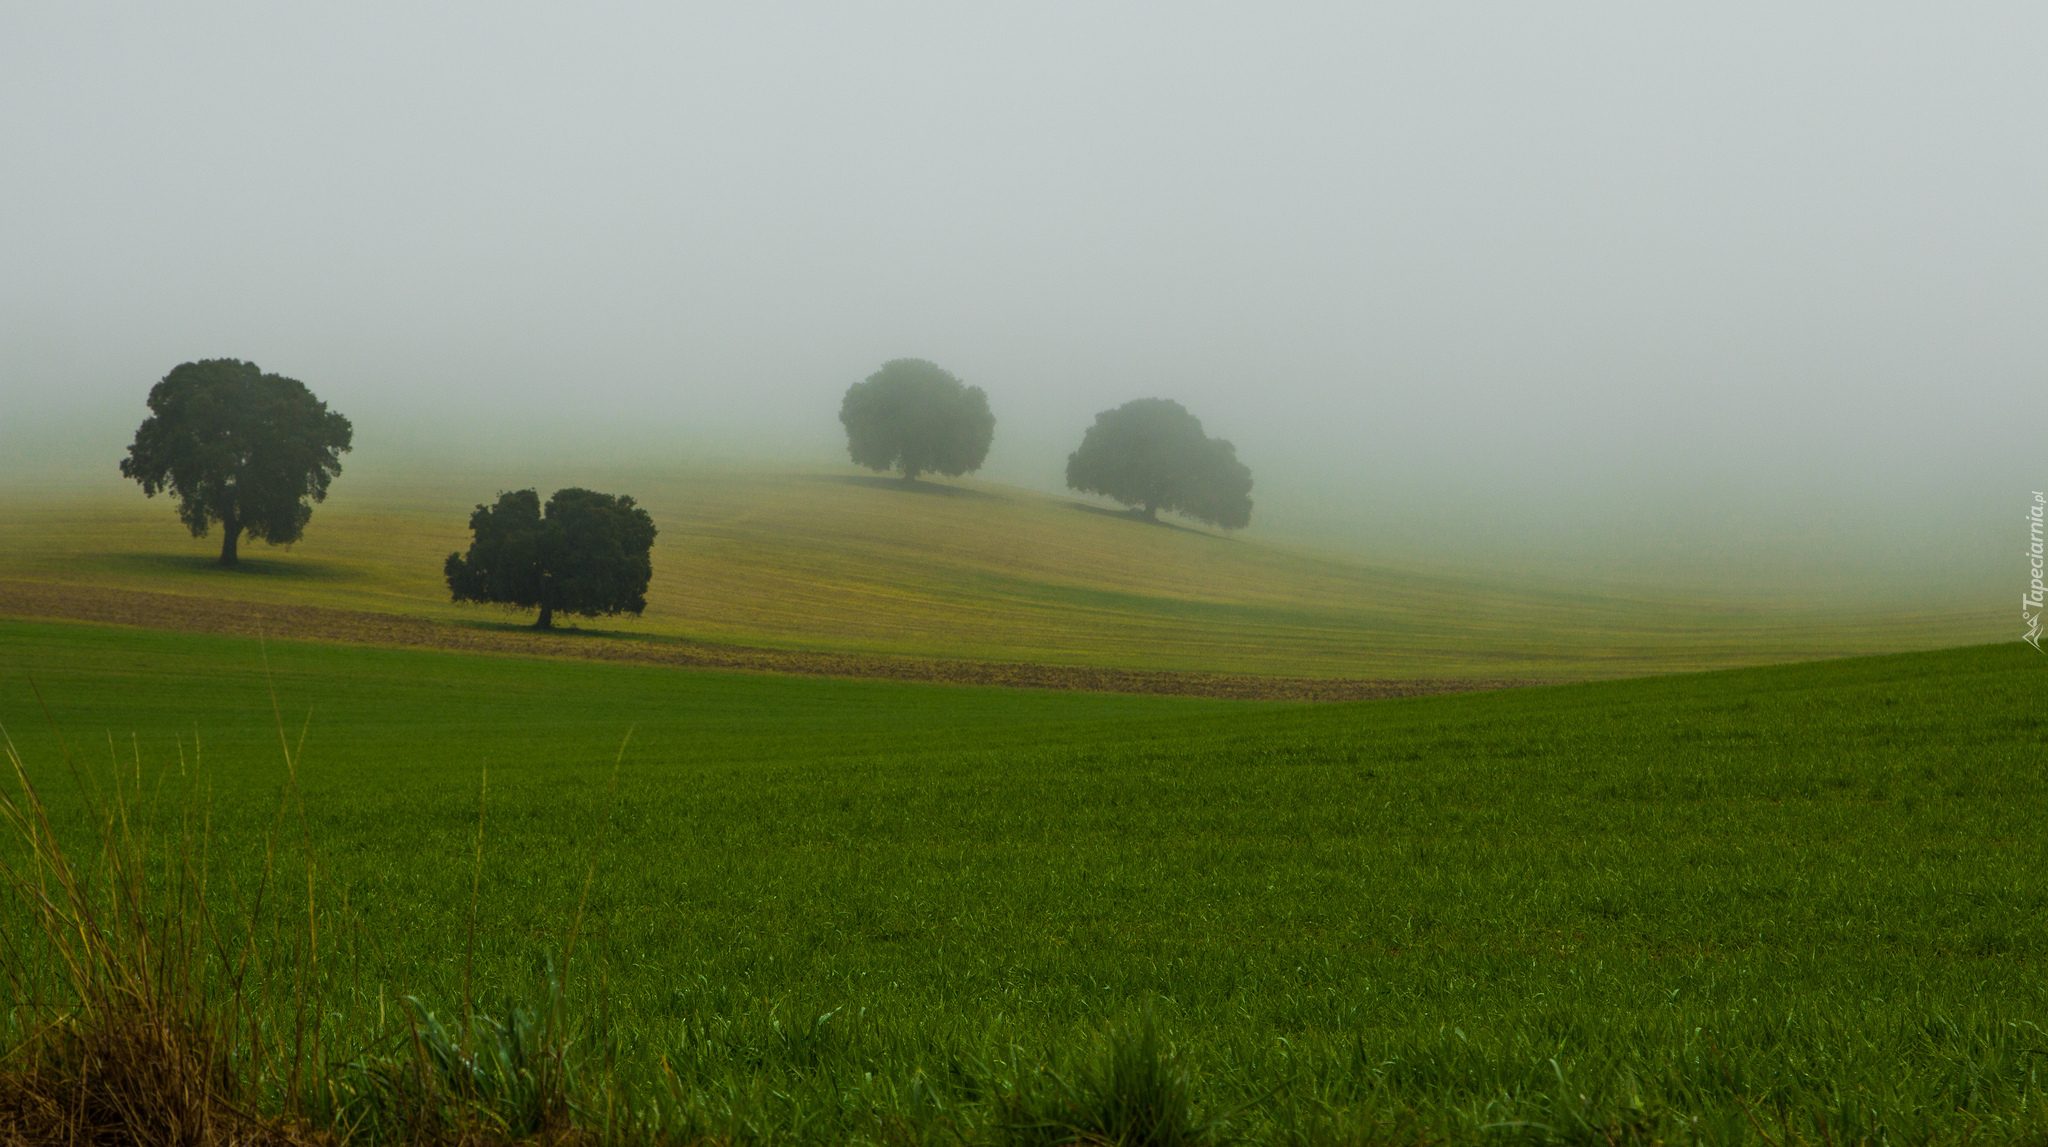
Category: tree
<point>240,447</point>
<point>589,554</point>
<point>912,415</point>
<point>1151,453</point>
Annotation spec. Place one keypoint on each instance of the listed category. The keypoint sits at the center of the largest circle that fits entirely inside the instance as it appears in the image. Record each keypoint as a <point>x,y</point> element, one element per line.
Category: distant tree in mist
<point>588,554</point>
<point>236,446</point>
<point>915,417</point>
<point>1151,454</point>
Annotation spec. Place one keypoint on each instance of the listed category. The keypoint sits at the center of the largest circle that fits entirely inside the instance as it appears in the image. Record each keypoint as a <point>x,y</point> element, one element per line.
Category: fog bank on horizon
<point>1739,292</point>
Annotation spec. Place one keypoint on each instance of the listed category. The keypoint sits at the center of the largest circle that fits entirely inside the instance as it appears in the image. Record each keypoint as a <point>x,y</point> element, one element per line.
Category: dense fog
<point>1750,294</point>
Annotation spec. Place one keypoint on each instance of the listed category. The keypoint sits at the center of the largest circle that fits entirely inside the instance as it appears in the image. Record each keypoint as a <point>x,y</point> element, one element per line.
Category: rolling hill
<point>845,565</point>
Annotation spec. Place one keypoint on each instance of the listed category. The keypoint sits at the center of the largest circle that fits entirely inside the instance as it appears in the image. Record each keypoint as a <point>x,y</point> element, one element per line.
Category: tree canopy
<point>1151,453</point>
<point>913,416</point>
<point>237,446</point>
<point>588,554</point>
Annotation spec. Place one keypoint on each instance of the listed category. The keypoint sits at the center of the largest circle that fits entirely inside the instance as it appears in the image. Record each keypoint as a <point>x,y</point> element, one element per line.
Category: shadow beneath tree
<point>898,485</point>
<point>1139,517</point>
<point>590,628</point>
<point>278,568</point>
<point>561,628</point>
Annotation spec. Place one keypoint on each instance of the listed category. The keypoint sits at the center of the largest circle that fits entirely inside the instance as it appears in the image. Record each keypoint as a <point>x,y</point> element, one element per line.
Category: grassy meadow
<point>1804,903</point>
<point>856,564</point>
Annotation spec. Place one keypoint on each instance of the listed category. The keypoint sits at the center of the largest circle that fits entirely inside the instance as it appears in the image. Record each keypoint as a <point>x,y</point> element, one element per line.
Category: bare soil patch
<point>189,614</point>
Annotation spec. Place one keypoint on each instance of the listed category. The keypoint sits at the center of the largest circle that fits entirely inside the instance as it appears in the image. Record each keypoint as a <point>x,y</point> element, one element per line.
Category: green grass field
<point>1806,903</point>
<point>847,563</point>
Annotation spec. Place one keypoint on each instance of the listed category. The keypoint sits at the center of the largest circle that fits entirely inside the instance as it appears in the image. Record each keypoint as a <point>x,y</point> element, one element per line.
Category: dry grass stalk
<point>120,1040</point>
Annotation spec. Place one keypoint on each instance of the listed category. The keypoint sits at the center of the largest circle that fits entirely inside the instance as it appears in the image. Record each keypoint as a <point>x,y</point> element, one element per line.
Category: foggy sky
<point>1493,278</point>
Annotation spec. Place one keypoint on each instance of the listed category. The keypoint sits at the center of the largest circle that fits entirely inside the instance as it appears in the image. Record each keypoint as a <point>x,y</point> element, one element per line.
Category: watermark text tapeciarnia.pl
<point>2033,601</point>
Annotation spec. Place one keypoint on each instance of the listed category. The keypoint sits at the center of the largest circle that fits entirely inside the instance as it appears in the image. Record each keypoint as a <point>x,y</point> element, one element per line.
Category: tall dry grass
<point>133,1016</point>
<point>153,1005</point>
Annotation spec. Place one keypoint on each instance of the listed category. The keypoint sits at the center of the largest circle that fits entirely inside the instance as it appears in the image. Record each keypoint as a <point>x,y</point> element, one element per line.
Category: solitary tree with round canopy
<point>236,446</point>
<point>913,416</point>
<point>1151,454</point>
<point>587,554</point>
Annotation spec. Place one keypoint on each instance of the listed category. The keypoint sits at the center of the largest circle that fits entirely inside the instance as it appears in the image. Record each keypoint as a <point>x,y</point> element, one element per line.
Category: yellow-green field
<point>846,563</point>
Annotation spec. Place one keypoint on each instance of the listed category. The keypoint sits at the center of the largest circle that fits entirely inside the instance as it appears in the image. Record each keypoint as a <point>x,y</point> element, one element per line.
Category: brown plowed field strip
<point>187,614</point>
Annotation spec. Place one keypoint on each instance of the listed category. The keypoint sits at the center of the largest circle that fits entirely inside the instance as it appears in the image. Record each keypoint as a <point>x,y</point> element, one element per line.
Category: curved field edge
<point>192,614</point>
<point>1797,904</point>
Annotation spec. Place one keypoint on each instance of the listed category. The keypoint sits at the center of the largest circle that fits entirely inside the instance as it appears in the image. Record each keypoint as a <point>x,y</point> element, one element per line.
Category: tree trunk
<point>547,618</point>
<point>909,475</point>
<point>1151,512</point>
<point>230,534</point>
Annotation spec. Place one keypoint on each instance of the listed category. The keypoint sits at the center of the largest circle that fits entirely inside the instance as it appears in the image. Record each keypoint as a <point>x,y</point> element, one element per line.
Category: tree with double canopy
<point>235,446</point>
<point>585,553</point>
<point>1151,454</point>
<point>914,416</point>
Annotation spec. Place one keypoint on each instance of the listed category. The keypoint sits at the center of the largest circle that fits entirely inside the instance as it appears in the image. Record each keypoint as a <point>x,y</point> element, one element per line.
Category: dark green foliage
<point>1151,453</point>
<point>240,447</point>
<point>517,1072</point>
<point>915,417</point>
<point>1136,1095</point>
<point>588,555</point>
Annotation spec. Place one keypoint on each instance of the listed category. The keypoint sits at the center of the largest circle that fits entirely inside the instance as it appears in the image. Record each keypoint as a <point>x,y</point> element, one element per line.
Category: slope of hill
<point>856,565</point>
